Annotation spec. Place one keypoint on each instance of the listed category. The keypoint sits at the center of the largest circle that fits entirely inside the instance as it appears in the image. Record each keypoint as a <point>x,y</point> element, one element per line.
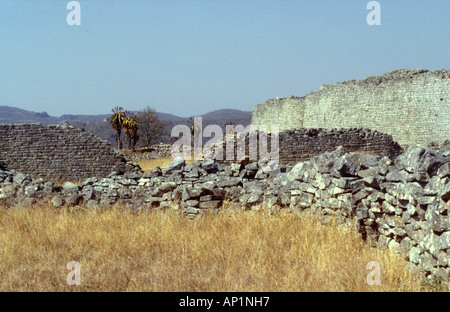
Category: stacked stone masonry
<point>411,105</point>
<point>156,151</point>
<point>58,152</point>
<point>399,204</point>
<point>302,144</point>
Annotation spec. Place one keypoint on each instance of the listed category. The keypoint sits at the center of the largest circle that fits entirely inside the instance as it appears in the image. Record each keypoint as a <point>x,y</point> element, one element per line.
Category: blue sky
<point>193,56</point>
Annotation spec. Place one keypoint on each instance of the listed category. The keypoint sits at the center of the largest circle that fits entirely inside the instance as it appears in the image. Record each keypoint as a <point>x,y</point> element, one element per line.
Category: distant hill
<point>10,114</point>
<point>16,115</point>
<point>223,116</point>
<point>98,125</point>
<point>169,117</point>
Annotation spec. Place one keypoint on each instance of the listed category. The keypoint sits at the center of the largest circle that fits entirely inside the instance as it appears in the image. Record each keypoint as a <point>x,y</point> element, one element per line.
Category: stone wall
<point>299,145</point>
<point>411,105</point>
<point>57,152</point>
<point>401,205</point>
<point>156,151</point>
<point>302,144</point>
<point>287,113</point>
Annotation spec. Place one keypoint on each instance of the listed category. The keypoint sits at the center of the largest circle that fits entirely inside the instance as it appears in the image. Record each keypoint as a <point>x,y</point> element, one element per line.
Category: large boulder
<point>325,161</point>
<point>300,172</point>
<point>347,165</point>
<point>70,188</point>
<point>177,164</point>
<point>418,158</point>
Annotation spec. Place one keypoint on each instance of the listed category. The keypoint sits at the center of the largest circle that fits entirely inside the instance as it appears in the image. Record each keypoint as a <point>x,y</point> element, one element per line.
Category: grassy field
<point>164,251</point>
<point>233,250</point>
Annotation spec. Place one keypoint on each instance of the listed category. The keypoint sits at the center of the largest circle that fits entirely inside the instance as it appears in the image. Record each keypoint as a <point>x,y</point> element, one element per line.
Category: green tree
<point>131,126</point>
<point>116,121</point>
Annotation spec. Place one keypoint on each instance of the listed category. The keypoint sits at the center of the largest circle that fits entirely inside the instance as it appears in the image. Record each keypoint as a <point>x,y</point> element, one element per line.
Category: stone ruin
<point>407,104</point>
<point>399,195</point>
<point>59,152</point>
<point>399,204</point>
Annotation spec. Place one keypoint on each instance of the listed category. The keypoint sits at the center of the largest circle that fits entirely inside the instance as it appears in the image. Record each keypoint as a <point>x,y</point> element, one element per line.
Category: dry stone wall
<point>58,152</point>
<point>302,144</point>
<point>156,151</point>
<point>411,105</point>
<point>399,204</point>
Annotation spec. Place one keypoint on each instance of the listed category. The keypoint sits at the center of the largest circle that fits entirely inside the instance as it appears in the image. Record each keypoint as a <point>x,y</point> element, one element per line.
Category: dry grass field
<point>165,251</point>
<point>234,250</point>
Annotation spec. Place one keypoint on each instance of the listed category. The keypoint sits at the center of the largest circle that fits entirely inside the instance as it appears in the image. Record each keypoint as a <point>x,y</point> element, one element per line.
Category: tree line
<point>143,126</point>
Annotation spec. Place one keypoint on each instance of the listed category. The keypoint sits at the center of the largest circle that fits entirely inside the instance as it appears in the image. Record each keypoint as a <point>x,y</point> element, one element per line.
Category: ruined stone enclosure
<point>411,105</point>
<point>57,152</point>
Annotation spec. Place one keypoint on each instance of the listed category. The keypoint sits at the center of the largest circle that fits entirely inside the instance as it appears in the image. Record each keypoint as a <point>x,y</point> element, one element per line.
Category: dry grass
<point>148,165</point>
<point>164,251</point>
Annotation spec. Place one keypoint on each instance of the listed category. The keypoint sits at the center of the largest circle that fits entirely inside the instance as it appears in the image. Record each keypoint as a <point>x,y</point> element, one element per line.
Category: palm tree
<point>131,125</point>
<point>116,121</point>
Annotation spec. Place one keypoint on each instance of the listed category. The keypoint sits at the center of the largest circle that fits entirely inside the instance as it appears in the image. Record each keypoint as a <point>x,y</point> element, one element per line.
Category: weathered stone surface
<point>395,247</point>
<point>396,175</point>
<point>445,240</point>
<point>230,182</point>
<point>192,210</point>
<point>73,199</point>
<point>371,177</point>
<point>166,187</point>
<point>48,187</point>
<point>210,166</point>
<point>210,204</point>
<point>177,164</point>
<point>192,203</point>
<point>192,192</point>
<point>156,171</point>
<point>414,255</point>
<point>383,165</point>
<point>362,213</point>
<point>347,165</point>
<point>298,171</point>
<point>21,179</point>
<point>321,181</point>
<point>31,190</point>
<point>58,152</point>
<point>57,201</point>
<point>70,188</point>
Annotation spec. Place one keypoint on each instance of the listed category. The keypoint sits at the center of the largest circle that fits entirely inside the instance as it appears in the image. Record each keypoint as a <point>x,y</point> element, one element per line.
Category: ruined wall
<point>57,152</point>
<point>411,105</point>
<point>302,144</point>
<point>401,205</point>
<point>287,113</point>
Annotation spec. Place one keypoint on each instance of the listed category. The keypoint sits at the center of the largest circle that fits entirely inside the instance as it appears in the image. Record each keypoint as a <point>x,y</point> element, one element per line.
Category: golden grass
<point>148,165</point>
<point>164,251</point>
